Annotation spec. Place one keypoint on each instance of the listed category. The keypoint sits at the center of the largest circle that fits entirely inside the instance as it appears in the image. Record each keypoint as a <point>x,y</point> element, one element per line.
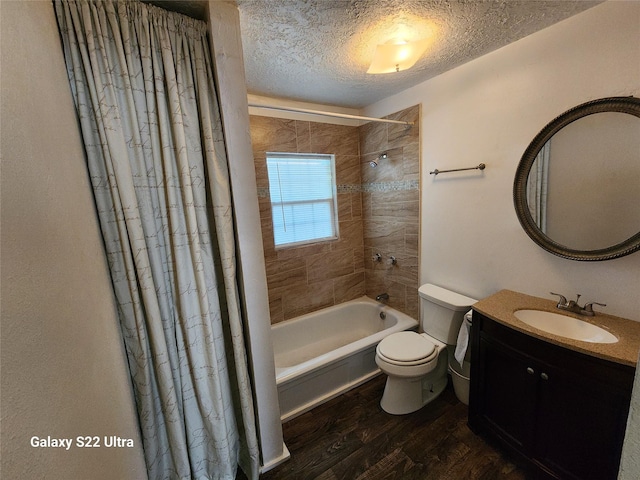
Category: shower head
<point>374,163</point>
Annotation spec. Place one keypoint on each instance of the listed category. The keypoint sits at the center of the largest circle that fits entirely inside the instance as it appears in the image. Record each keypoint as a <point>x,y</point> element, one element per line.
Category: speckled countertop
<point>501,306</point>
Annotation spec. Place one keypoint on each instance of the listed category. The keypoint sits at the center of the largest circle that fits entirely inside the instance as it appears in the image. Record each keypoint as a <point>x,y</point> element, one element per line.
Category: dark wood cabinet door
<point>508,393</point>
<point>580,425</point>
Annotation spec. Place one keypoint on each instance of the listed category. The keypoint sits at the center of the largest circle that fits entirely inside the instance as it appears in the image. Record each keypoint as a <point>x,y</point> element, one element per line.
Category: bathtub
<point>323,354</point>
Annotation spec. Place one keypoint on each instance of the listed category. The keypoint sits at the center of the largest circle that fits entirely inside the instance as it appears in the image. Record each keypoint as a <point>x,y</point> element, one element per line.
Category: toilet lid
<point>406,347</point>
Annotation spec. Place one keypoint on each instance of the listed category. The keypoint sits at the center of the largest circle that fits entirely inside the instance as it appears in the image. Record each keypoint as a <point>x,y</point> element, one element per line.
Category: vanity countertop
<point>502,305</point>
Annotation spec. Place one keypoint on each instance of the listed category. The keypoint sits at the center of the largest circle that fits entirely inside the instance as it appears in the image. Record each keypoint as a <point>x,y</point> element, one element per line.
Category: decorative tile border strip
<point>263,192</point>
<point>349,188</point>
<point>390,186</point>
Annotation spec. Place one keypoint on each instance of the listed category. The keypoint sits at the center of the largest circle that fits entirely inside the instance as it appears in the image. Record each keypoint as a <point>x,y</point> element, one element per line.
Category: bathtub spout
<point>382,296</point>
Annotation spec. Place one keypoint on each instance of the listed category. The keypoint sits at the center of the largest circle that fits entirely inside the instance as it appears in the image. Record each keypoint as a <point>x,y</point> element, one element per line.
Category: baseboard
<point>276,461</point>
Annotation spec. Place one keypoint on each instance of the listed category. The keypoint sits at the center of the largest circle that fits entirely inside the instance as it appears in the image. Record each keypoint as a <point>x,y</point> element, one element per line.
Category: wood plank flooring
<point>352,438</point>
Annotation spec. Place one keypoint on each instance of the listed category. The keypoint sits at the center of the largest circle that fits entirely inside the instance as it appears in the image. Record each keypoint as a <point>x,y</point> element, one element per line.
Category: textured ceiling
<point>319,50</point>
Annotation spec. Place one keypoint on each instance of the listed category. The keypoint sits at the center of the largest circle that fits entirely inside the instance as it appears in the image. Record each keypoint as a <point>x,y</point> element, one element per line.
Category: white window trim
<point>333,201</point>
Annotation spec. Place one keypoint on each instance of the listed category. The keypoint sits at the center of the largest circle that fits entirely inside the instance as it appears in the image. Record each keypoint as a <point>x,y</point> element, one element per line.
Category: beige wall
<point>489,110</point>
<point>377,212</point>
<point>596,203</point>
<point>64,372</point>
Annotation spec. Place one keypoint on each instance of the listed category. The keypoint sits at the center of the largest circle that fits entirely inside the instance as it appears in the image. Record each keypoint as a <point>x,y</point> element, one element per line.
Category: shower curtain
<point>142,82</point>
<point>537,186</point>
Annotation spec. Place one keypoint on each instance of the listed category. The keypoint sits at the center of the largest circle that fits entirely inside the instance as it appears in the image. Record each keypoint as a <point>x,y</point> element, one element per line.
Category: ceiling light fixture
<point>397,55</point>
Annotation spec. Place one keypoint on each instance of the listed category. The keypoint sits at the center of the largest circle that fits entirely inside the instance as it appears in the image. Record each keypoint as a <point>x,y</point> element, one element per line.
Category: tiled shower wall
<point>391,209</point>
<point>377,212</point>
<point>306,278</point>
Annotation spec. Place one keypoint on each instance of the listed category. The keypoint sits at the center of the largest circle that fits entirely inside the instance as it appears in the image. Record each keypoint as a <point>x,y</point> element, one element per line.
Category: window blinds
<point>302,188</point>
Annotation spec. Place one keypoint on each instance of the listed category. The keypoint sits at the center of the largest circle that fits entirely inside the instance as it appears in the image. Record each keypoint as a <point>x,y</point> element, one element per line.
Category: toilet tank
<point>442,312</point>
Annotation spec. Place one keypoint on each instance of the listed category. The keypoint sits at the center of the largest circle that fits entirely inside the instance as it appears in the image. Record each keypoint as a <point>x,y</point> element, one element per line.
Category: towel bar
<point>481,166</point>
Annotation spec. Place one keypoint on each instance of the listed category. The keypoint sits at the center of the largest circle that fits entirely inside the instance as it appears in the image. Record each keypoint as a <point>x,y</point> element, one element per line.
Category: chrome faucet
<point>382,296</point>
<point>574,307</point>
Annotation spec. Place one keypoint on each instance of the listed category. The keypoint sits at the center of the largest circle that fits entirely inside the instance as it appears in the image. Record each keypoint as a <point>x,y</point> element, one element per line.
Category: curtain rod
<point>328,114</point>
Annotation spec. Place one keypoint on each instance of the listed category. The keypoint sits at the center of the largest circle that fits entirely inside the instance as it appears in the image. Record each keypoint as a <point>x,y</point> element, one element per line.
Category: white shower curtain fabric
<point>143,85</point>
<point>537,187</point>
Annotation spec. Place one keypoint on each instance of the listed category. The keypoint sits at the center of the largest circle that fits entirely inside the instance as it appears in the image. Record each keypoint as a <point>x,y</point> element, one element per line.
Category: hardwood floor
<point>352,438</point>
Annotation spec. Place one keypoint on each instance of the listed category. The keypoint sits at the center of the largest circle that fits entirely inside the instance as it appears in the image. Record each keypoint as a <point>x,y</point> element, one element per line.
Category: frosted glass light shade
<point>397,56</point>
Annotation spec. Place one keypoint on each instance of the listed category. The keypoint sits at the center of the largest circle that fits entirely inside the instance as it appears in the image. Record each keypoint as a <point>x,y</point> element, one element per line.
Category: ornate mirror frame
<point>630,105</point>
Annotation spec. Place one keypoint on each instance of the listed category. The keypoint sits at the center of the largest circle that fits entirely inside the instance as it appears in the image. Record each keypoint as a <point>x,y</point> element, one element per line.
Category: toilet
<point>416,363</point>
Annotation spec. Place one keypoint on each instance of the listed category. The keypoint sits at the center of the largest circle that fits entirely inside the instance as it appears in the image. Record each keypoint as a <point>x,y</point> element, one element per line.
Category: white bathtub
<point>325,353</point>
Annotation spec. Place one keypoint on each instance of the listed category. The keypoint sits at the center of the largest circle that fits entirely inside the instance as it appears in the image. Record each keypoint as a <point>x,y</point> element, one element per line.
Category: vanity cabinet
<point>561,411</point>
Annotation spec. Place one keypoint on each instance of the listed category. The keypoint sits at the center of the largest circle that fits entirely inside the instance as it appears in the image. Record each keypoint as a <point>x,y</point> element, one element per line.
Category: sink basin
<point>565,326</point>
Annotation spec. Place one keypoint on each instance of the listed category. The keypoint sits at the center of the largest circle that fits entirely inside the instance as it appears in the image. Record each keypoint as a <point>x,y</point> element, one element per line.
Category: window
<point>303,197</point>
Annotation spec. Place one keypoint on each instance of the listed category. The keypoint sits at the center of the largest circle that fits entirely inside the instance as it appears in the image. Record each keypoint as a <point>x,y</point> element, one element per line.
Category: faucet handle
<point>562,300</point>
<point>588,308</point>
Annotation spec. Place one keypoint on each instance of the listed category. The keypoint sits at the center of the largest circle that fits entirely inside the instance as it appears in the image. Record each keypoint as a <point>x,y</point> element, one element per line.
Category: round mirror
<point>577,187</point>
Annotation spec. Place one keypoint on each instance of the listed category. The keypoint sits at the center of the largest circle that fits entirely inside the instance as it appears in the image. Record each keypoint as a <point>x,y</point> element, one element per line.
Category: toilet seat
<point>406,349</point>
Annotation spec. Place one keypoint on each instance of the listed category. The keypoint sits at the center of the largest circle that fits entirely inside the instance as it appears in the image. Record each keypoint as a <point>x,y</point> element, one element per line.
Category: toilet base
<point>407,395</point>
